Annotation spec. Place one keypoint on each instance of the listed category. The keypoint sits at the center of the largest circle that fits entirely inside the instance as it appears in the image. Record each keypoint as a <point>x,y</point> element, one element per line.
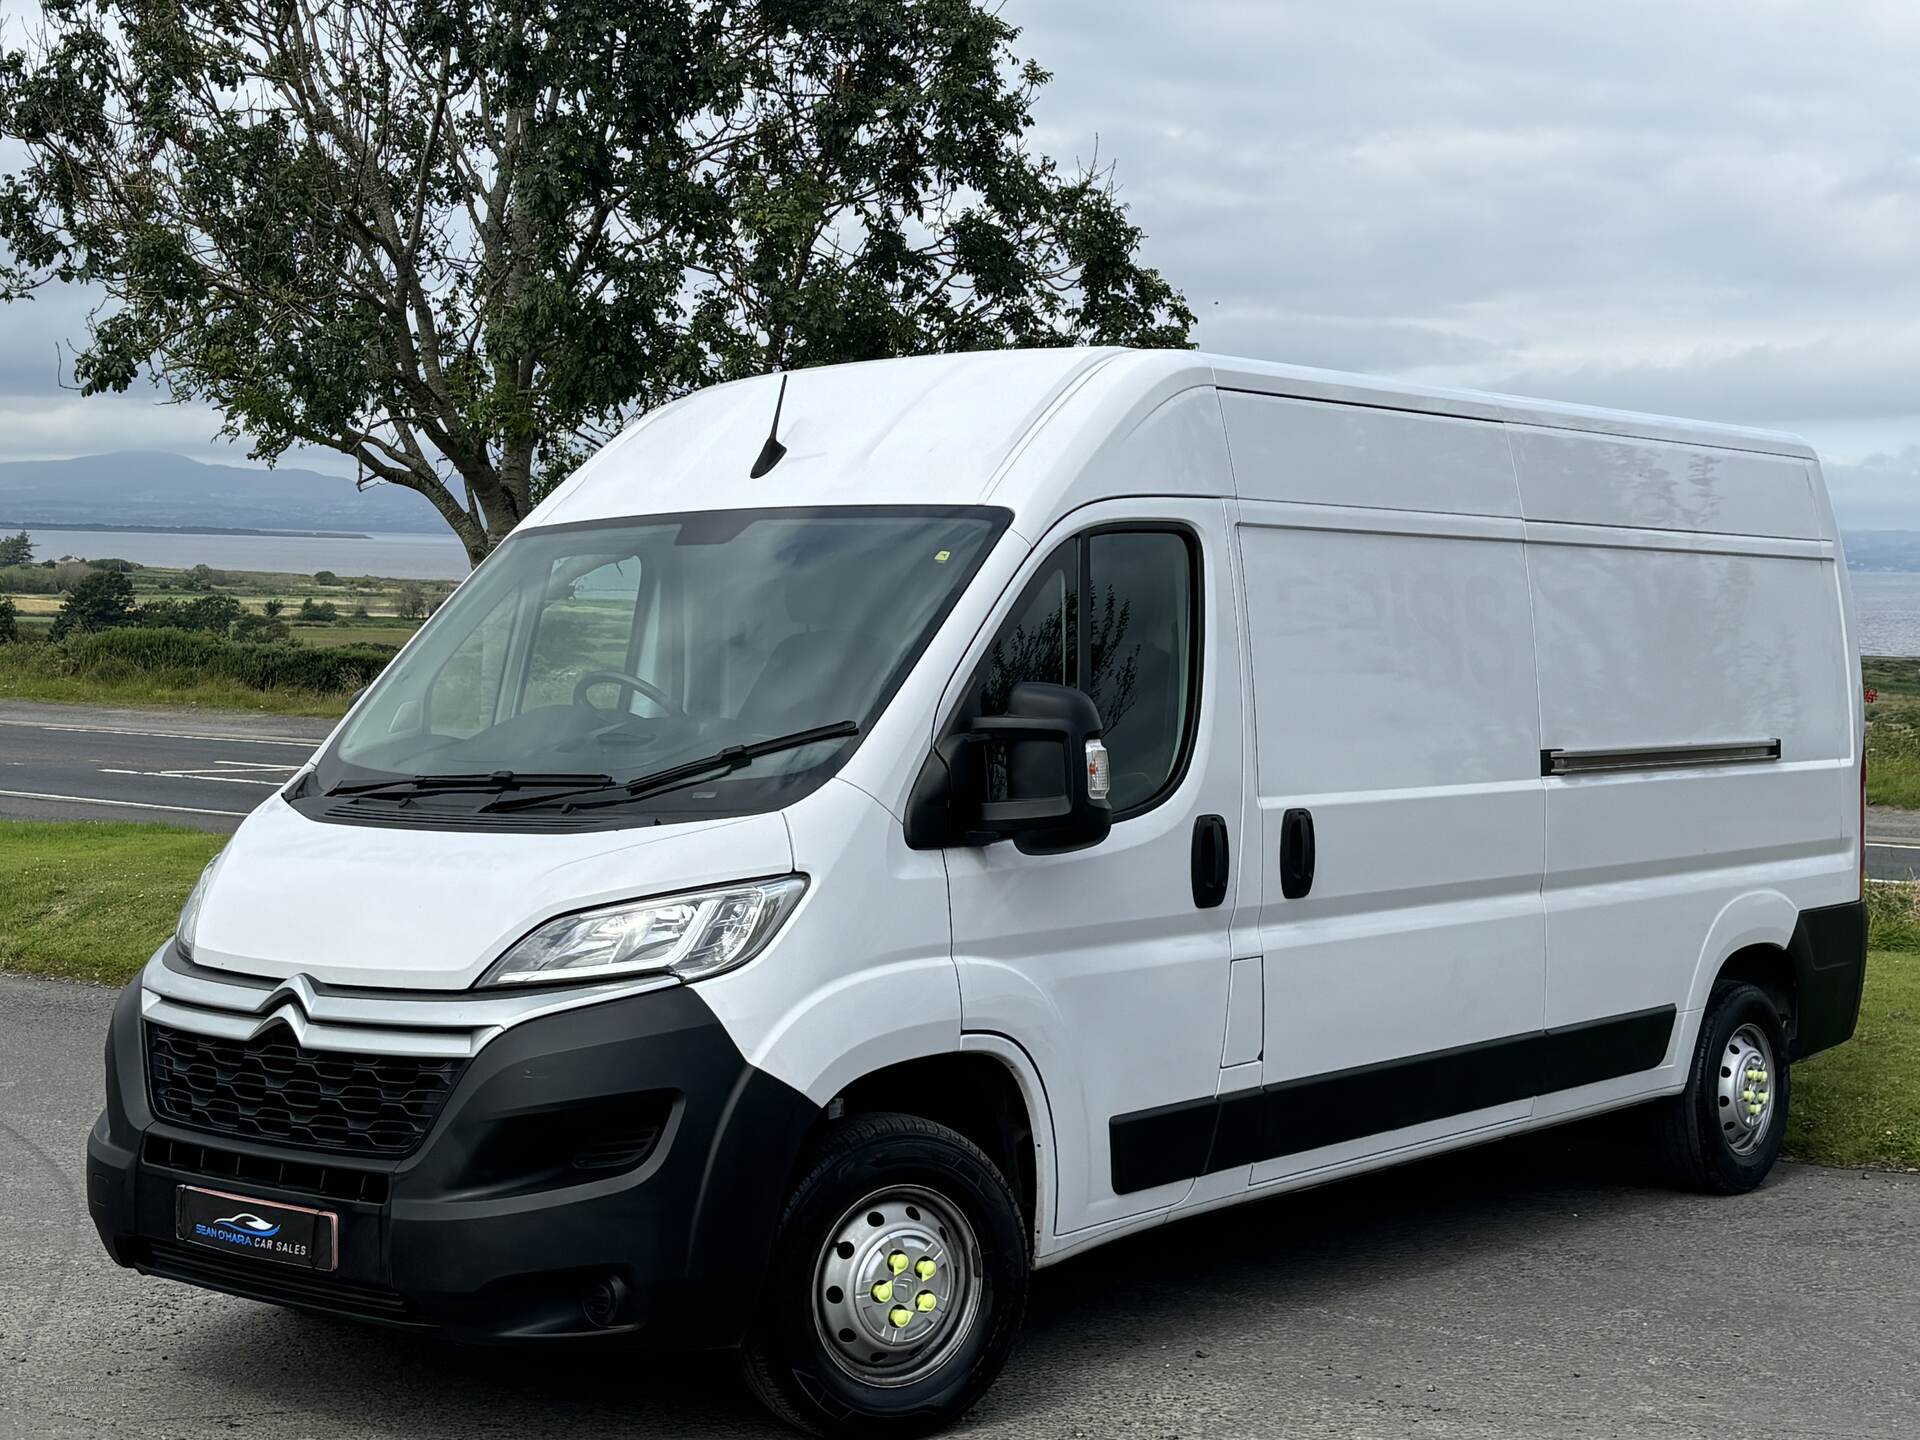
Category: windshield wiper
<point>721,762</point>
<point>491,780</point>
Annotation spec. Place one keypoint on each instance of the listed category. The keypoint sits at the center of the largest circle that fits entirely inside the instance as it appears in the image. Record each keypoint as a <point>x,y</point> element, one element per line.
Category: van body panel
<point>431,909</point>
<point>934,428</point>
<point>1593,479</point>
<point>863,976</point>
<point>1395,692</point>
<point>1354,455</point>
<point>1641,863</point>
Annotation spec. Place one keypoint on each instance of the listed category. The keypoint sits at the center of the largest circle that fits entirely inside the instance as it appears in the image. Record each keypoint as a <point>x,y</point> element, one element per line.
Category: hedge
<point>177,656</point>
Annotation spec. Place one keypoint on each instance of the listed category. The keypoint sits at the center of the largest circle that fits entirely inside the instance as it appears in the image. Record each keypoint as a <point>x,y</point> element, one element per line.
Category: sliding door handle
<point>1296,853</point>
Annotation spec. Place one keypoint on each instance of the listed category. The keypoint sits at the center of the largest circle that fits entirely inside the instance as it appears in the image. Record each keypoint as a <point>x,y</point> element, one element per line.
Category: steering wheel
<point>626,682</point>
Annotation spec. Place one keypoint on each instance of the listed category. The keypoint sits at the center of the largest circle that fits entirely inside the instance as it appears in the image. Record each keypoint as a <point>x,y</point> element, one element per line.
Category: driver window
<point>586,623</point>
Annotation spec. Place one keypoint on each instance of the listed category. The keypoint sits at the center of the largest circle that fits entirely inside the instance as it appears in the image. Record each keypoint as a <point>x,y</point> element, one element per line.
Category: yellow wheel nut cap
<point>900,1316</point>
<point>925,1301</point>
<point>883,1292</point>
<point>925,1269</point>
<point>897,1262</point>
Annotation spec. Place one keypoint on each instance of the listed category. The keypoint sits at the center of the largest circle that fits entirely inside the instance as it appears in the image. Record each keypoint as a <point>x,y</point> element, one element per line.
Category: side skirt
<point>1199,1137</point>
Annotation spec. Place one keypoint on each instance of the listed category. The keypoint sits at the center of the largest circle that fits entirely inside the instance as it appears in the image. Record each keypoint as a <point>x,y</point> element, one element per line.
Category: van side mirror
<point>1052,768</point>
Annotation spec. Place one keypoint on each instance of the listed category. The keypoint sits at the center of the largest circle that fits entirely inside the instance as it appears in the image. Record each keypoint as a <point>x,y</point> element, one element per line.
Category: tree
<point>323,612</point>
<point>9,621</point>
<point>200,577</point>
<point>462,240</point>
<point>16,549</point>
<point>101,601</point>
<point>410,601</point>
<point>272,608</point>
<point>325,577</point>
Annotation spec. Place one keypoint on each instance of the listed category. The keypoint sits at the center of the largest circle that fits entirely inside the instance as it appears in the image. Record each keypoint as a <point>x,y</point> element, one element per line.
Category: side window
<point>1140,654</point>
<point>1132,652</point>
<point>1040,639</point>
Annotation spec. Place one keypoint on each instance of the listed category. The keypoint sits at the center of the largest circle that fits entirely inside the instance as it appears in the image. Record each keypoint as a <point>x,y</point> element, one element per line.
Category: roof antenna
<point>772,452</point>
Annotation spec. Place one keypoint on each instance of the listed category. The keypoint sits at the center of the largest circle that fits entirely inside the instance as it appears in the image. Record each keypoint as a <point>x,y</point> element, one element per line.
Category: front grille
<point>275,1284</point>
<point>271,1088</point>
<point>209,1162</point>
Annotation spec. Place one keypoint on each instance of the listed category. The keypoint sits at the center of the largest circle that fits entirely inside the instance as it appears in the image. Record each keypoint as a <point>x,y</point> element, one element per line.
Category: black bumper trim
<point>1829,953</point>
<point>481,1232</point>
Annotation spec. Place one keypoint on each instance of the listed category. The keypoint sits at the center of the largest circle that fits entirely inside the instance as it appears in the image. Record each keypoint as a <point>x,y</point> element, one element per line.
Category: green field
<point>91,902</point>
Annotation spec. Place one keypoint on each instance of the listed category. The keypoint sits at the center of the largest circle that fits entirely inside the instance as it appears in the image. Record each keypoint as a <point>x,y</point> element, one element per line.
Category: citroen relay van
<point>876,831</point>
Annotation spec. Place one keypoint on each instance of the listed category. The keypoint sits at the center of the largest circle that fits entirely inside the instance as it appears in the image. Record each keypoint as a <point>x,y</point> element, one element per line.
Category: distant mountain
<point>1887,551</point>
<point>152,488</point>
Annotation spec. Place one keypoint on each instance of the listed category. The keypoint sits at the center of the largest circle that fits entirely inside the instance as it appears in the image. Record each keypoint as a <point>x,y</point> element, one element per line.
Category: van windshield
<point>593,655</point>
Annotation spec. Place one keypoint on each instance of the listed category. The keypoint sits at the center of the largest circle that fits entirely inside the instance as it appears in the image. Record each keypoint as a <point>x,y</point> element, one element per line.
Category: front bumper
<point>490,1230</point>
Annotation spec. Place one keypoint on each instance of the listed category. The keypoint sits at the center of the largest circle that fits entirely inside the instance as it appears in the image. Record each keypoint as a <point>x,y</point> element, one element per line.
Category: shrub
<point>216,614</point>
<point>322,611</point>
<point>125,567</point>
<point>100,602</point>
<point>179,656</point>
<point>200,577</point>
<point>325,577</point>
<point>410,601</point>
<point>9,621</point>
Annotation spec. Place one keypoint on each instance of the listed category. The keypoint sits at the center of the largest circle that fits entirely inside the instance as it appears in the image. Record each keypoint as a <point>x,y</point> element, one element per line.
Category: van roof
<point>947,429</point>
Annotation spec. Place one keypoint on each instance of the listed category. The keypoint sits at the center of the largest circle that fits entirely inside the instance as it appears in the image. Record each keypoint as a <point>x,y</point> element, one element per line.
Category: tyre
<point>1723,1132</point>
<point>898,1279</point>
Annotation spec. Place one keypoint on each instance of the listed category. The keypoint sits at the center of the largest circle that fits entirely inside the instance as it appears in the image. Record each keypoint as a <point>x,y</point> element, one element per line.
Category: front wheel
<point>1724,1131</point>
<point>898,1280</point>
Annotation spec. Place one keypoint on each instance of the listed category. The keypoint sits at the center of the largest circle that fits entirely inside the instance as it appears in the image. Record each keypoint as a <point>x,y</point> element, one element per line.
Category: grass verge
<point>91,902</point>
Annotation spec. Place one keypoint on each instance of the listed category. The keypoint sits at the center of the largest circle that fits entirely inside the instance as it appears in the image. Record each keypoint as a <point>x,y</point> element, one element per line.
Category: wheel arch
<point>988,1091</point>
<point>1752,940</point>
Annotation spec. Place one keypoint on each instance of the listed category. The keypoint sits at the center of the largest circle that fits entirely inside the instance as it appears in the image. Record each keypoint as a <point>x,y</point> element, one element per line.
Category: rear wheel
<point>1724,1131</point>
<point>897,1285</point>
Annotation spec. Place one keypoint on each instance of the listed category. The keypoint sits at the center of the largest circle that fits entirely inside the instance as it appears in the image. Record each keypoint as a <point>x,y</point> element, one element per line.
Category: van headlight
<point>189,923</point>
<point>691,936</point>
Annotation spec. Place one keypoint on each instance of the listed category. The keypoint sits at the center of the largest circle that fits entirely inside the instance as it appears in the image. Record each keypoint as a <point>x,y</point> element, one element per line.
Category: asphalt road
<point>1532,1289</point>
<point>78,762</point>
<point>75,762</point>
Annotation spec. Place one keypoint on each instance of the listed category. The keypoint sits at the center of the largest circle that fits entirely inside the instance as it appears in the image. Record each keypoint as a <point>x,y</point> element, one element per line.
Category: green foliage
<point>213,614</point>
<point>9,621</point>
<point>325,577</point>
<point>260,630</point>
<point>175,655</point>
<point>462,241</point>
<point>16,549</point>
<point>323,612</point>
<point>101,601</point>
<point>1892,922</point>
<point>125,567</point>
<point>273,608</point>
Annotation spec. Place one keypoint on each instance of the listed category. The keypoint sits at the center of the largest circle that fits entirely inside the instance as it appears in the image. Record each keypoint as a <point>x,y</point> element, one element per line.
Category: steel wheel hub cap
<point>897,1286</point>
<point>1746,1089</point>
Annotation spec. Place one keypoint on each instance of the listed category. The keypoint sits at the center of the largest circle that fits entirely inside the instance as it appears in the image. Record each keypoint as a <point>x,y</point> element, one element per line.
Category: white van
<point>805,880</point>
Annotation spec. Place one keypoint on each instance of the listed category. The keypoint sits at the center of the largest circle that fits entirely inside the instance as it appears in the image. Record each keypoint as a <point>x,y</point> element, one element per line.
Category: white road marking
<point>128,804</point>
<point>197,775</point>
<point>1873,844</point>
<point>159,734</point>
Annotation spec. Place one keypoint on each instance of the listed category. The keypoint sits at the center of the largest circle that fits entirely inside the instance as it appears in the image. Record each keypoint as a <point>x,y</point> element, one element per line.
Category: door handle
<point>1296,853</point>
<point>1209,861</point>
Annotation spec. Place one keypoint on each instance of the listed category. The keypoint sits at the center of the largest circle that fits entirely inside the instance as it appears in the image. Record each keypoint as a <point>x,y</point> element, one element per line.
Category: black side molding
<point>1198,1137</point>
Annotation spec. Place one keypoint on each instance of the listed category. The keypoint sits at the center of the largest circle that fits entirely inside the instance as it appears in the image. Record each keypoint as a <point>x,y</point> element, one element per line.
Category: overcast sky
<point>1708,209</point>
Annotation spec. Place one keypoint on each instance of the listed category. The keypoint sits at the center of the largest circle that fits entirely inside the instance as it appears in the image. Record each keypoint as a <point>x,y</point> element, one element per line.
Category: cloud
<point>1705,209</point>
